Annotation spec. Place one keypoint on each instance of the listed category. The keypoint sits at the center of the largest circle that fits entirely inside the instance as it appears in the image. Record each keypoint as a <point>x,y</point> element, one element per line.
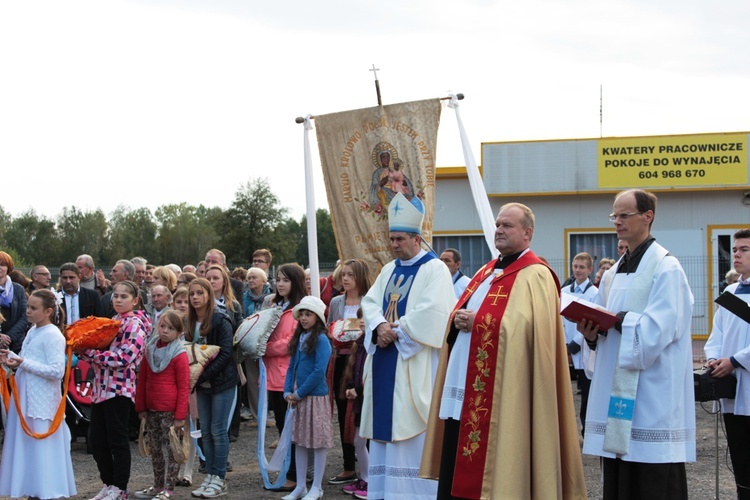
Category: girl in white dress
<point>39,371</point>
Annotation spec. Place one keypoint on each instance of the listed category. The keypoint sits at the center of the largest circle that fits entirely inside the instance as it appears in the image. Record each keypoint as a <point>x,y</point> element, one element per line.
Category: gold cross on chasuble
<point>498,294</point>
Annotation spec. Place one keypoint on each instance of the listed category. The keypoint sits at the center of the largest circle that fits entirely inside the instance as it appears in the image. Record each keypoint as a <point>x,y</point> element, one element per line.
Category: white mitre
<point>405,215</point>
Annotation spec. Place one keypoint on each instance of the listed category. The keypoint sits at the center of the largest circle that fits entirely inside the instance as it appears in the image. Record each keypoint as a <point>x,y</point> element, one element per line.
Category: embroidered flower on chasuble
<point>477,409</point>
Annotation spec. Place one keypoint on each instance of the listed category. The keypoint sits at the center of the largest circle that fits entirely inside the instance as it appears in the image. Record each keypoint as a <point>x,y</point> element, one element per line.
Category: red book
<point>575,310</point>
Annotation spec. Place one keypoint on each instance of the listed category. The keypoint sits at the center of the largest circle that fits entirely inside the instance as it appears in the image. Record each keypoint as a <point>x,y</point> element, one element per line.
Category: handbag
<point>142,444</point>
<point>179,444</point>
<point>252,335</point>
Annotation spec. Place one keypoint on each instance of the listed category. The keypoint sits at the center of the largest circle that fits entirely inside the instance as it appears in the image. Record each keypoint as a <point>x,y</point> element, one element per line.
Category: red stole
<point>474,432</point>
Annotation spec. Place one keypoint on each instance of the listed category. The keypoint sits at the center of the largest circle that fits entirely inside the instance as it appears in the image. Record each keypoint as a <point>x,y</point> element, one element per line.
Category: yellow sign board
<point>681,160</point>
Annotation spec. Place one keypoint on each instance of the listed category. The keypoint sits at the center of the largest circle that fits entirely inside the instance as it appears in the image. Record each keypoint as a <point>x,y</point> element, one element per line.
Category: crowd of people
<point>444,385</point>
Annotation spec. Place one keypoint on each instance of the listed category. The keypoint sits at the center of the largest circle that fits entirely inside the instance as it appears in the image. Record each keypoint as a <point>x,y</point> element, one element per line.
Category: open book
<point>575,309</point>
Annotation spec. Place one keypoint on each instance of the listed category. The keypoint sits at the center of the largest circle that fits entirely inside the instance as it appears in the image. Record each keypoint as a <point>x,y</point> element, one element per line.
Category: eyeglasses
<point>259,261</point>
<point>623,216</point>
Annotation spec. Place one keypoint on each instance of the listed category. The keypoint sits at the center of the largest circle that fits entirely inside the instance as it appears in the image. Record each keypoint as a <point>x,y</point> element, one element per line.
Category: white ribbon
<point>312,232</point>
<point>478,192</point>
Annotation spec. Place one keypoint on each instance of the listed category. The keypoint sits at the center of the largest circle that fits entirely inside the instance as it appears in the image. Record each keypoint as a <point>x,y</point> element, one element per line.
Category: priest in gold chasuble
<point>502,423</point>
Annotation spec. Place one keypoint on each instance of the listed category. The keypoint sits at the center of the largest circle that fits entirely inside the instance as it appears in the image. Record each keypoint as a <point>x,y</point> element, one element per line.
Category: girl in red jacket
<point>161,399</point>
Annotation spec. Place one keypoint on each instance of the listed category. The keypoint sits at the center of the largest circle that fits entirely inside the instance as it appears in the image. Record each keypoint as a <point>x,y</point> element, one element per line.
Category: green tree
<point>328,253</point>
<point>83,233</point>
<point>5,220</point>
<point>284,241</point>
<point>185,233</point>
<point>250,222</point>
<point>34,238</point>
<point>132,233</point>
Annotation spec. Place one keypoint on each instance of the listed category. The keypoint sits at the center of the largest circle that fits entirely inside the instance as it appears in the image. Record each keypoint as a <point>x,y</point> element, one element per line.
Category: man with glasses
<point>262,258</point>
<point>641,411</point>
<point>40,278</point>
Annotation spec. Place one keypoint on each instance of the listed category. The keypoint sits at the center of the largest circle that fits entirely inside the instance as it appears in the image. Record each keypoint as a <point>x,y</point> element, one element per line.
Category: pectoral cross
<point>497,295</point>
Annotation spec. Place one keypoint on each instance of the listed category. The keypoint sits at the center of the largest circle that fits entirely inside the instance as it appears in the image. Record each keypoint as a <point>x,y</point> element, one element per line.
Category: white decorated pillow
<point>252,335</point>
<point>344,331</point>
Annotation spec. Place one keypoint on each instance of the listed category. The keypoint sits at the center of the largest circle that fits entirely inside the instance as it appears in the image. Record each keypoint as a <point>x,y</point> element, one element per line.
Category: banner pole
<point>301,119</point>
<point>377,84</point>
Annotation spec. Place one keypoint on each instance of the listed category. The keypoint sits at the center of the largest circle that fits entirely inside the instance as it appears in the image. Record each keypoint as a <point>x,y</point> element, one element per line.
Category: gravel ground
<point>245,481</point>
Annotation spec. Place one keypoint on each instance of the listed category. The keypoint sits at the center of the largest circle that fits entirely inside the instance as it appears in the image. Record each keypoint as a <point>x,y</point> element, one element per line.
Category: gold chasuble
<point>518,432</point>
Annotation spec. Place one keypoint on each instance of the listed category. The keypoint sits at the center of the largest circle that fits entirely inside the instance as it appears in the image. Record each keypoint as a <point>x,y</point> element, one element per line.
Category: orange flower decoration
<point>92,333</point>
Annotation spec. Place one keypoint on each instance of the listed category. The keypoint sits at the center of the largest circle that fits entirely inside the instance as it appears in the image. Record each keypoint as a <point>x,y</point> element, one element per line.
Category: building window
<point>473,249</point>
<point>598,245</point>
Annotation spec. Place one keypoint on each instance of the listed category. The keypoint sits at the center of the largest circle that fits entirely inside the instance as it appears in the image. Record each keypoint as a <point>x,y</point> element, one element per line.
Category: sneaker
<point>245,414</point>
<point>216,488</point>
<point>164,495</point>
<point>361,494</point>
<point>115,493</point>
<point>198,493</point>
<point>147,494</point>
<point>350,489</point>
<point>102,493</point>
<point>342,479</point>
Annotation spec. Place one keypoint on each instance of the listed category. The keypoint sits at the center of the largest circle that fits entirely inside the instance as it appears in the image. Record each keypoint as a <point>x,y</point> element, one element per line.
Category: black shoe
<point>341,479</point>
<point>232,439</point>
<point>202,467</point>
<point>229,466</point>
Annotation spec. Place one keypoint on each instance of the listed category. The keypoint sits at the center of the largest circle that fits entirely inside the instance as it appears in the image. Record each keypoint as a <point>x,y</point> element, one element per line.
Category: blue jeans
<point>215,413</point>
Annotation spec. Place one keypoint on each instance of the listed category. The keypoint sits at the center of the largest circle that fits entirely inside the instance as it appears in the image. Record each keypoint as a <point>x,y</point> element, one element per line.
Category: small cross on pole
<point>377,84</point>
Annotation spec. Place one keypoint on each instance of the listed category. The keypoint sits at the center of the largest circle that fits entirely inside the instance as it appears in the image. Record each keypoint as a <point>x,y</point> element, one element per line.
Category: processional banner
<point>369,155</point>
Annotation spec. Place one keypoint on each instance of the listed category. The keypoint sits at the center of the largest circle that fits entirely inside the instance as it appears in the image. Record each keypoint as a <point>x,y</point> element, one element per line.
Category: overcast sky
<point>145,103</point>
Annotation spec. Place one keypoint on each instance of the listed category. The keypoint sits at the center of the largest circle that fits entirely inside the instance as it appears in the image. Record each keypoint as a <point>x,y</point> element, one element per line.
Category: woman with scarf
<point>12,307</point>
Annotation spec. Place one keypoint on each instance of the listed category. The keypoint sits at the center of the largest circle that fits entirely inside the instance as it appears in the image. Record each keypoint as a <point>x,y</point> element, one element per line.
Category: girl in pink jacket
<point>290,288</point>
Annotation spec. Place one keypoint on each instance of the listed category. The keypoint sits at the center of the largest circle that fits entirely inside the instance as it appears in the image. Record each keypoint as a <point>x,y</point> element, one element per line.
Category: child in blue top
<point>307,390</point>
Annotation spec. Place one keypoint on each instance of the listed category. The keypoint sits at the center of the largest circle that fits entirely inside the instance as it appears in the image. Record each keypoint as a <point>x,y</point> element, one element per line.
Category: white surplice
<point>658,343</point>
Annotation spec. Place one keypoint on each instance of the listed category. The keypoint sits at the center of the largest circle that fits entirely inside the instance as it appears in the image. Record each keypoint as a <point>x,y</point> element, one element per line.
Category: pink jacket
<point>277,357</point>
